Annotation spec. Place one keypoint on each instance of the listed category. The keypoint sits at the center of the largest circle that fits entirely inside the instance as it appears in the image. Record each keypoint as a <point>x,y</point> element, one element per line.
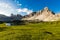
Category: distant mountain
<point>43,15</point>
<point>11,18</point>
<point>16,17</point>
<point>3,18</point>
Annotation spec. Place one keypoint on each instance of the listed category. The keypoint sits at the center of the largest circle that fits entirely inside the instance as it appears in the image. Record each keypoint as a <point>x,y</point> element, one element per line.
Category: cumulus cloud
<point>7,9</point>
<point>26,10</point>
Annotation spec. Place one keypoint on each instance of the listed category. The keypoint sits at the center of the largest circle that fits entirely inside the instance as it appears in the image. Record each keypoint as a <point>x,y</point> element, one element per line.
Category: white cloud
<point>7,9</point>
<point>26,10</point>
<point>4,5</point>
<point>19,4</point>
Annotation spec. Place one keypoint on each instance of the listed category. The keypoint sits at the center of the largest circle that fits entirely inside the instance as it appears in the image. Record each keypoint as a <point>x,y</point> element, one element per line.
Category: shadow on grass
<point>3,29</point>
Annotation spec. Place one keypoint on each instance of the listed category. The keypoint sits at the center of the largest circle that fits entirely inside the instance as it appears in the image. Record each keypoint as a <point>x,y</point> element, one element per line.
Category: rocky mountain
<point>16,17</point>
<point>43,15</point>
<point>4,18</point>
<point>11,18</point>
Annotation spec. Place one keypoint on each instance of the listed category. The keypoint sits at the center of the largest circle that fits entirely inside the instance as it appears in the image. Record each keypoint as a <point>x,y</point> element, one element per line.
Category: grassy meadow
<point>31,31</point>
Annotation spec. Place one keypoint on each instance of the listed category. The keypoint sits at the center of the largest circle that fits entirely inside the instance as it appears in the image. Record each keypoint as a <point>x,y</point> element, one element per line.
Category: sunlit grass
<point>31,31</point>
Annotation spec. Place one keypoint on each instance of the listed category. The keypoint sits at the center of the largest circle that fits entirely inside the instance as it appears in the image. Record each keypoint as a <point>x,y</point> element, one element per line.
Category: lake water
<point>8,24</point>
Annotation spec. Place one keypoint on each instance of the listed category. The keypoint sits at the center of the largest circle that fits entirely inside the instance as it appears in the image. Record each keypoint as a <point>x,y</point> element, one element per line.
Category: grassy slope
<point>35,31</point>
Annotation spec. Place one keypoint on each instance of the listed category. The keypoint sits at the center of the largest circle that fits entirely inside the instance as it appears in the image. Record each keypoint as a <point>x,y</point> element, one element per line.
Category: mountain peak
<point>45,8</point>
<point>44,15</point>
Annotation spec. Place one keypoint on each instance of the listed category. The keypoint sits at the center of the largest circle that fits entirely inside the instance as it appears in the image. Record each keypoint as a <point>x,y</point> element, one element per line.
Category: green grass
<point>31,31</point>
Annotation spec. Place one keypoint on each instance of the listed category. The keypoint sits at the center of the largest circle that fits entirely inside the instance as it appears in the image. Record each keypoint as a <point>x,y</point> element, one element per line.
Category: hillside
<point>31,31</point>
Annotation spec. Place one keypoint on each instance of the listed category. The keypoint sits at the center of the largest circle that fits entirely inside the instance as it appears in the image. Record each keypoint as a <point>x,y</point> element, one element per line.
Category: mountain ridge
<point>5,18</point>
<point>43,15</point>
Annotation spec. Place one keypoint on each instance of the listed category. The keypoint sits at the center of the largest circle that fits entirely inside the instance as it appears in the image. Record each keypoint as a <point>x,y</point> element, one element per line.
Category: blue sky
<point>24,7</point>
<point>40,4</point>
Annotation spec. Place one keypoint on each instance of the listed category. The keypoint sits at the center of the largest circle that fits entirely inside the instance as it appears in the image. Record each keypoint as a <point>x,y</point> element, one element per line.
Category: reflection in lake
<point>8,24</point>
